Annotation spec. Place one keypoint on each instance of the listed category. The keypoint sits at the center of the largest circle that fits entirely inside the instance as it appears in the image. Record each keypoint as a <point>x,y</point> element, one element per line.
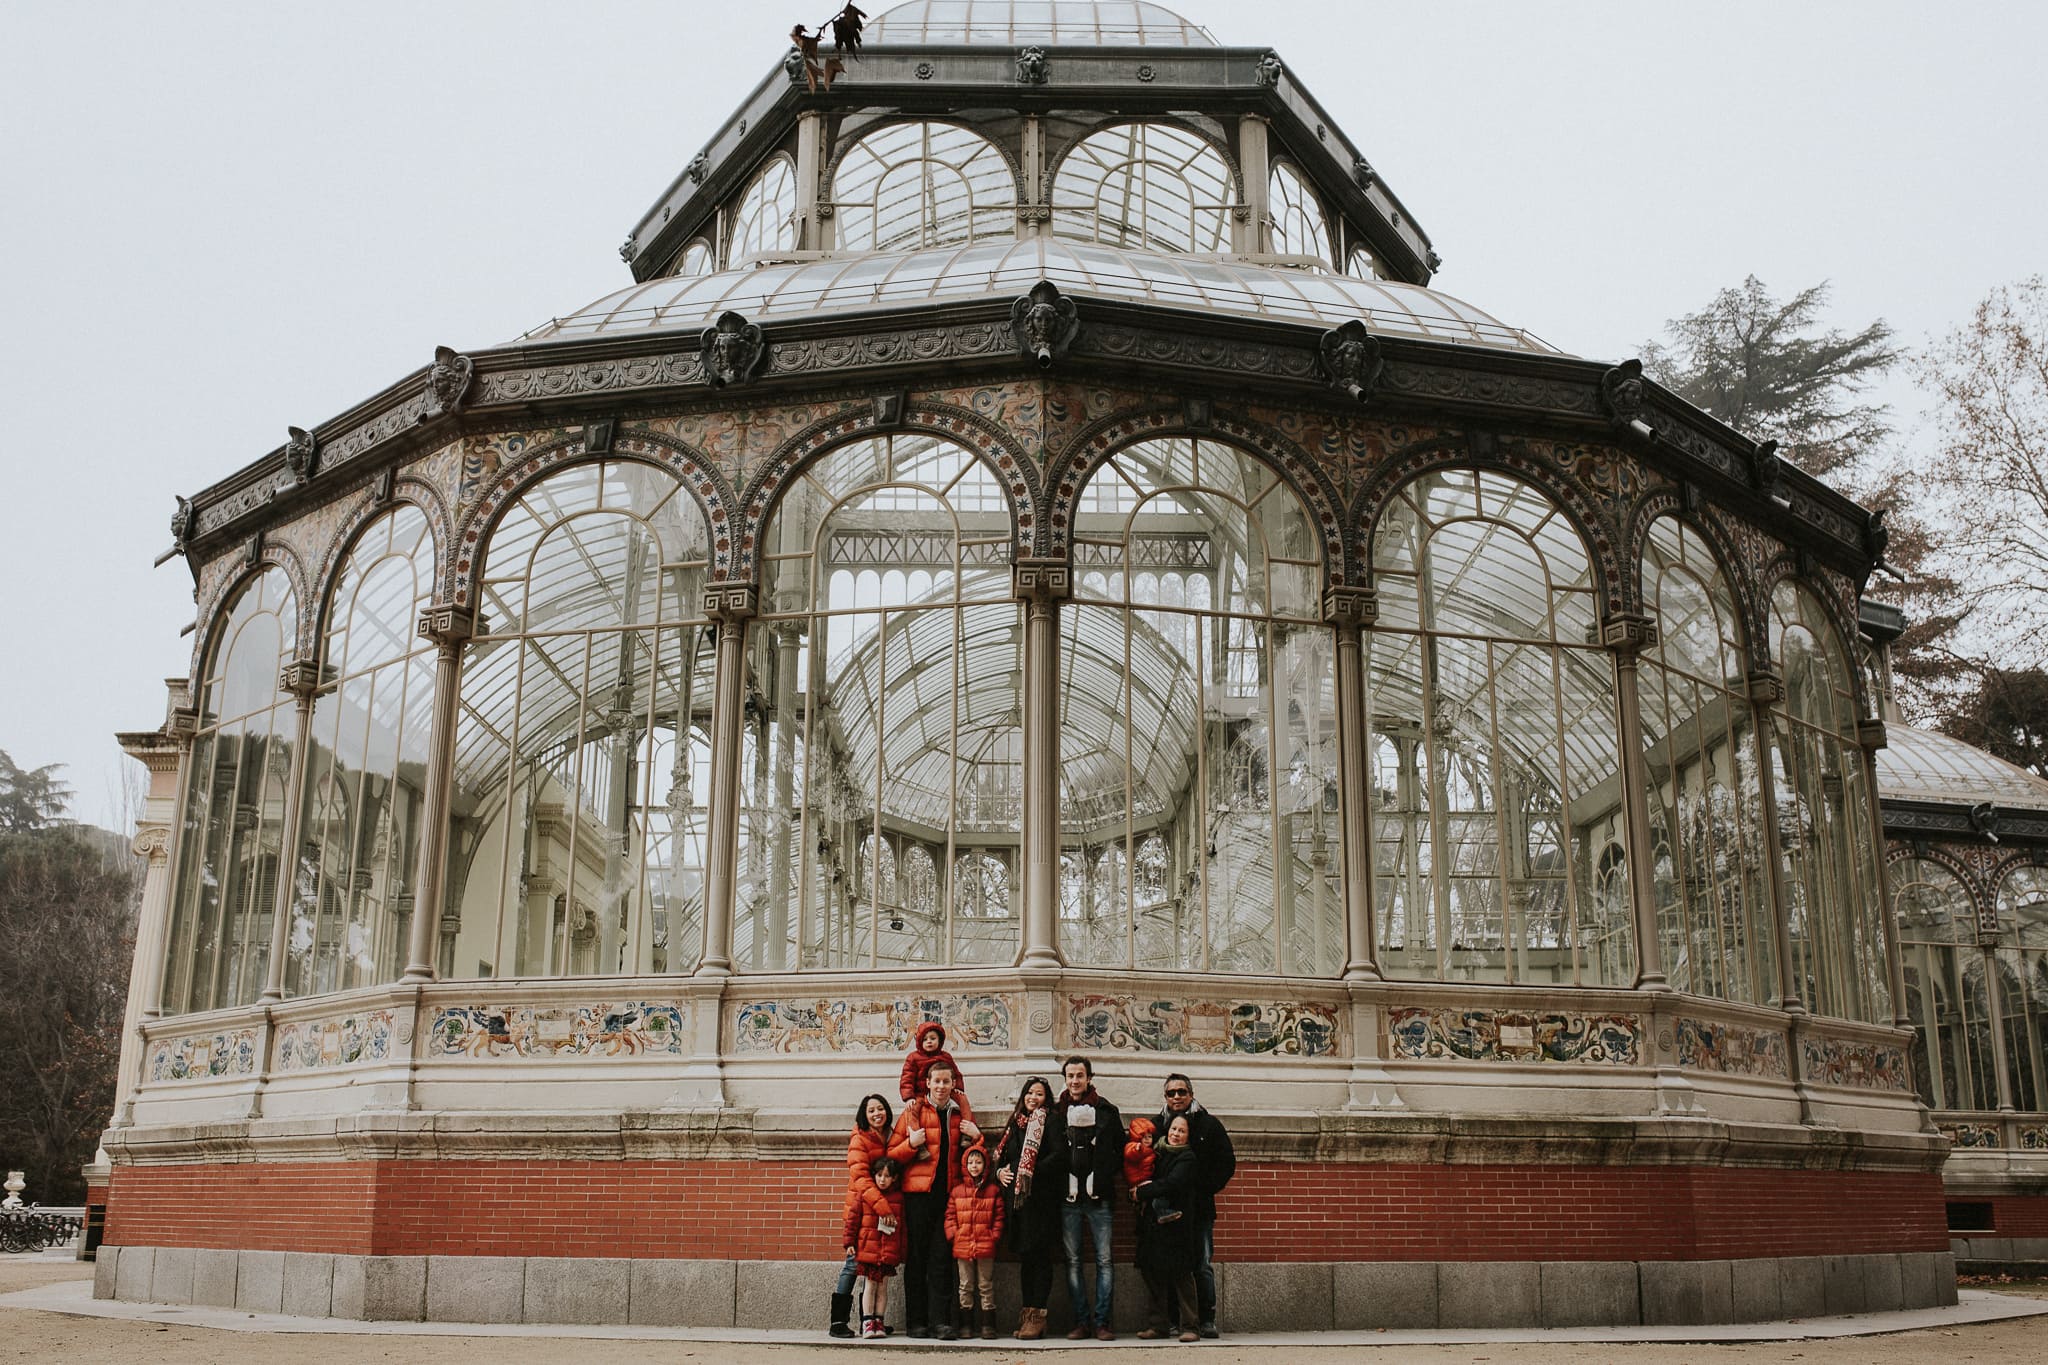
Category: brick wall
<point>2014,1215</point>
<point>1273,1211</point>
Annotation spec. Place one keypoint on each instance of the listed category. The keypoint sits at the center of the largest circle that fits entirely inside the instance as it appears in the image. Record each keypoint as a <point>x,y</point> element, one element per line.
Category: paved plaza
<point>47,1313</point>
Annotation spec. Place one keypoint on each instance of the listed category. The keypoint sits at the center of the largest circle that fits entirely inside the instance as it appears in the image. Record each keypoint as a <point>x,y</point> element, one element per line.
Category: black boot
<point>842,1308</point>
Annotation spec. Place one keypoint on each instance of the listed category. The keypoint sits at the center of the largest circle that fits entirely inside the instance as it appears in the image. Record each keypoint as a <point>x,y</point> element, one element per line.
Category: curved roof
<point>1925,765</point>
<point>1007,268</point>
<point>1077,23</point>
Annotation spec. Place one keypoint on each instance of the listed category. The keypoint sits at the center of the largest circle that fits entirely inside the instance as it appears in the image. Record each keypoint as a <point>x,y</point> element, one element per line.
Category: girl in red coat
<point>872,1121</point>
<point>874,1228</point>
<point>928,1045</point>
<point>974,1225</point>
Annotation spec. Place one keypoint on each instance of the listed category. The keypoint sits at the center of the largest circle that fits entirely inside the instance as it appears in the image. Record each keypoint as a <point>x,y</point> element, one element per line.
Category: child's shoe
<point>871,1328</point>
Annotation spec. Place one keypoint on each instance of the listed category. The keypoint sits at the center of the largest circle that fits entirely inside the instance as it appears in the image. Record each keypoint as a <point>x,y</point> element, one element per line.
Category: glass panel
<point>1148,185</point>
<point>577,806</point>
<point>1498,832</point>
<point>225,896</point>
<point>883,803</point>
<point>764,219</point>
<point>1297,220</point>
<point>1198,786</point>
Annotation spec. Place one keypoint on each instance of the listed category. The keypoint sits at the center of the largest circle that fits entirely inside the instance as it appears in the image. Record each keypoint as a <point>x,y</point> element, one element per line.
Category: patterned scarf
<point>1027,1159</point>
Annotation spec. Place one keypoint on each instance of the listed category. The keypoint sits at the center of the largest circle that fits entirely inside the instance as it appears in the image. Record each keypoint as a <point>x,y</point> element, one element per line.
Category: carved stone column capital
<point>447,626</point>
<point>1041,580</point>
<point>1628,632</point>
<point>1351,606</point>
<point>1870,734</point>
<point>730,603</point>
<point>1766,686</point>
<point>152,841</point>
<point>300,677</point>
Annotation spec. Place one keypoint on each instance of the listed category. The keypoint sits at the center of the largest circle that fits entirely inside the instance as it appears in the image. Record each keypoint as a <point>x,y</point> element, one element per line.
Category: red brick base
<point>1273,1211</point>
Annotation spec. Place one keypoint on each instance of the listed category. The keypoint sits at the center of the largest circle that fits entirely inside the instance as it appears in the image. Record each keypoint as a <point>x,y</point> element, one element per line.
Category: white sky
<point>218,219</point>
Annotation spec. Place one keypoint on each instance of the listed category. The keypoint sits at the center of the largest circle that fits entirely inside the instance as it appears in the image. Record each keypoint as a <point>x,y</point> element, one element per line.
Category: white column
<point>300,678</point>
<point>164,753</point>
<point>1870,735</point>
<point>1349,611</point>
<point>1766,687</point>
<point>448,628</point>
<point>810,169</point>
<point>1248,226</point>
<point>1626,635</point>
<point>1040,585</point>
<point>731,606</point>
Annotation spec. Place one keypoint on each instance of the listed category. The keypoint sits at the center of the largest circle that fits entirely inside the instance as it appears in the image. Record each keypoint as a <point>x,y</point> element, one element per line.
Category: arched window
<point>697,259</point>
<point>236,778</point>
<point>921,184</point>
<point>577,818</point>
<point>1297,220</point>
<point>366,765</point>
<point>2023,947</point>
<point>1702,777</point>
<point>1833,915</point>
<point>1492,732</point>
<point>1951,1053</point>
<point>1153,186</point>
<point>1362,264</point>
<point>887,668</point>
<point>764,219</point>
<point>1198,720</point>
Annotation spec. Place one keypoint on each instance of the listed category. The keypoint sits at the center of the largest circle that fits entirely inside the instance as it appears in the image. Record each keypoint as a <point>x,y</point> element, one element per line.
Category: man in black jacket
<point>1095,1155</point>
<point>1215,1163</point>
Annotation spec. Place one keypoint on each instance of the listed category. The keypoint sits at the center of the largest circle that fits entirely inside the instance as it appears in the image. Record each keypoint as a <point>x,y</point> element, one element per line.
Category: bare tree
<point>1990,380</point>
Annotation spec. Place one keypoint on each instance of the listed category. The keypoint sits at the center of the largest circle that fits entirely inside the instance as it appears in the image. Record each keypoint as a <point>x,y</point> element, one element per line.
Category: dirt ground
<point>37,1336</point>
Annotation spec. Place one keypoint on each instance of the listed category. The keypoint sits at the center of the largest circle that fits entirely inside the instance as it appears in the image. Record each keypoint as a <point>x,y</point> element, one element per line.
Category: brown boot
<point>988,1322</point>
<point>1032,1325</point>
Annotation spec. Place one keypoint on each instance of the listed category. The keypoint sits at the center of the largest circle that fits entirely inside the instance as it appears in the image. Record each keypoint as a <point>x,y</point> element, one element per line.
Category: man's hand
<point>1006,1176</point>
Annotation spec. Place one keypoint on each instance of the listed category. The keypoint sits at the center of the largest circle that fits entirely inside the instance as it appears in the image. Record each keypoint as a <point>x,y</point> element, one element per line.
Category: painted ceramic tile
<point>1864,1066</point>
<point>1978,1136</point>
<point>2034,1138</point>
<point>1134,1024</point>
<point>870,1025</point>
<point>315,1044</point>
<point>1510,1036</point>
<point>626,1029</point>
<point>229,1053</point>
<point>1731,1050</point>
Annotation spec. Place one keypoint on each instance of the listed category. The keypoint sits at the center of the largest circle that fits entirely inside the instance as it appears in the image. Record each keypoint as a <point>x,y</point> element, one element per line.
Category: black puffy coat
<point>1215,1158</point>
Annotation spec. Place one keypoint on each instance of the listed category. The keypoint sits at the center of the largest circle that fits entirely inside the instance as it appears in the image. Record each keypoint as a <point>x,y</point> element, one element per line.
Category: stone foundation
<point>1255,1296</point>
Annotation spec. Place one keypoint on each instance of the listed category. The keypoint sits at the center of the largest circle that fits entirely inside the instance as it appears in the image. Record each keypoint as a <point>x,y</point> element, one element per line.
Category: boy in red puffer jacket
<point>928,1045</point>
<point>974,1225</point>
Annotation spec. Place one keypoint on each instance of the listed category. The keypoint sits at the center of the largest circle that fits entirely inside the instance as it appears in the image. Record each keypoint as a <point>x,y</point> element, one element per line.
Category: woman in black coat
<point>1031,1163</point>
<point>1168,1245</point>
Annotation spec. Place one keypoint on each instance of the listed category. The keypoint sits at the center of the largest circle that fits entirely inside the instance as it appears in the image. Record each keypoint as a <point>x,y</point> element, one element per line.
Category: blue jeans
<point>1205,1273</point>
<point>1097,1212</point>
<point>847,1275</point>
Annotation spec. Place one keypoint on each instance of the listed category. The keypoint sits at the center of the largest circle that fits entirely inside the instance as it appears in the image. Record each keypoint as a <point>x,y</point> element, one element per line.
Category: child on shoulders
<point>928,1045</point>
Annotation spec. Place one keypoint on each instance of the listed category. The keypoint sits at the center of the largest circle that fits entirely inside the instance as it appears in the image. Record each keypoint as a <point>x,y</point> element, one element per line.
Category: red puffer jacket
<point>862,1150</point>
<point>974,1219</point>
<point>865,1210</point>
<point>920,1164</point>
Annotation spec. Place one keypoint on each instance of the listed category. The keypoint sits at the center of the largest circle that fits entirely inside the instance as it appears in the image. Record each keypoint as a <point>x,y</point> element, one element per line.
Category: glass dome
<point>1925,765</point>
<point>1102,23</point>
<point>894,280</point>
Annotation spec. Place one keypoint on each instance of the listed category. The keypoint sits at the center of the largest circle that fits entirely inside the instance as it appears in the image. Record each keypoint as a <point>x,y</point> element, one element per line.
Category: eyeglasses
<point>1176,1094</point>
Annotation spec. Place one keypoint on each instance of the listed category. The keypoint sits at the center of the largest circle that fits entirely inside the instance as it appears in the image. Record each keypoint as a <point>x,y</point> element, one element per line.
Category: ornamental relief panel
<point>322,1044</point>
<point>879,1024</point>
<point>1732,1049</point>
<point>1489,1035</point>
<point>1856,1065</point>
<point>203,1056</point>
<point>627,1028</point>
<point>1128,1023</point>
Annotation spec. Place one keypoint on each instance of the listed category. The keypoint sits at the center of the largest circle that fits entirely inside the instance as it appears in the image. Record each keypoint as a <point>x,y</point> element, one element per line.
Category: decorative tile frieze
<point>1860,1066</point>
<point>1972,1136</point>
<point>2033,1137</point>
<point>1127,1023</point>
<point>1485,1035</point>
<point>320,1044</point>
<point>202,1056</point>
<point>871,1023</point>
<point>1732,1049</point>
<point>629,1028</point>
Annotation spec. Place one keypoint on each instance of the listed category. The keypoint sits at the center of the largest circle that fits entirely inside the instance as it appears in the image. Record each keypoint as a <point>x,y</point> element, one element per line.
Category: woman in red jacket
<point>872,1121</point>
<point>974,1225</point>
